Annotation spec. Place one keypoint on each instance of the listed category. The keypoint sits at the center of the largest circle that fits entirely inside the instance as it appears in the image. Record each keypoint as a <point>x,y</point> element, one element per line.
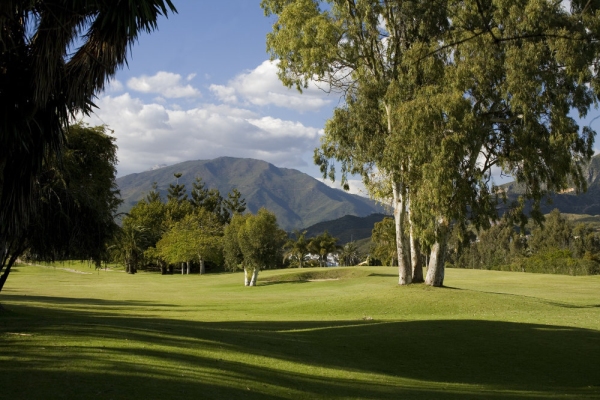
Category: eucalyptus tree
<point>234,258</point>
<point>261,242</point>
<point>55,56</point>
<point>439,93</point>
<point>362,48</point>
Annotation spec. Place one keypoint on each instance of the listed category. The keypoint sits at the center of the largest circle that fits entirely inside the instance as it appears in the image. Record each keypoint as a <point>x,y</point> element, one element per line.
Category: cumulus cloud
<point>261,87</point>
<point>166,84</point>
<point>156,133</point>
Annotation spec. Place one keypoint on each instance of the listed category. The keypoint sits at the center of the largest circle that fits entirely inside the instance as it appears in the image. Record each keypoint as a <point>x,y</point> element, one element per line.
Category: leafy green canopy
<point>76,201</point>
<point>437,94</point>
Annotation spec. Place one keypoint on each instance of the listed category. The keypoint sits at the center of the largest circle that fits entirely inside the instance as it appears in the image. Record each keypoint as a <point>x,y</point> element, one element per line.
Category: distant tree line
<point>559,246</point>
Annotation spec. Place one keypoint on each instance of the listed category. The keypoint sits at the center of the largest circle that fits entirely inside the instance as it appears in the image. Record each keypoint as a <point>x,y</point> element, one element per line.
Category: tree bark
<point>246,277</point>
<point>187,263</point>
<point>254,277</point>
<point>5,275</point>
<point>436,268</point>
<point>202,267</point>
<point>415,255</point>
<point>182,268</point>
<point>404,267</point>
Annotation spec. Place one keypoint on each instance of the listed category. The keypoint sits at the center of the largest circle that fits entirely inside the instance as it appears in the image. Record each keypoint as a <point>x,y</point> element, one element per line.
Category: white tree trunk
<point>400,203</point>
<point>254,277</point>
<point>202,267</point>
<point>188,267</point>
<point>415,257</point>
<point>437,260</point>
<point>182,268</point>
<point>246,277</point>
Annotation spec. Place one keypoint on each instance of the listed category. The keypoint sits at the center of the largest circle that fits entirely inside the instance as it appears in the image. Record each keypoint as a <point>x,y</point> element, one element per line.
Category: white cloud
<point>150,134</point>
<point>113,86</point>
<point>166,84</point>
<point>262,87</point>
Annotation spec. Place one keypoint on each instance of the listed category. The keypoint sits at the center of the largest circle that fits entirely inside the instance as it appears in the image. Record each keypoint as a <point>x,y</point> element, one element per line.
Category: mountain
<point>569,201</point>
<point>297,199</point>
<point>347,228</point>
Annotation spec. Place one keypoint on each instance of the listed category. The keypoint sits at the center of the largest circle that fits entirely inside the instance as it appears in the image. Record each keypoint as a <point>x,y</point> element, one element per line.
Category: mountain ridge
<point>297,199</point>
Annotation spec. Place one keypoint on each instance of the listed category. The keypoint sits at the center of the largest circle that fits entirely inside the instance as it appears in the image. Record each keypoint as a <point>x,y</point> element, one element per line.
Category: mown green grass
<point>340,333</point>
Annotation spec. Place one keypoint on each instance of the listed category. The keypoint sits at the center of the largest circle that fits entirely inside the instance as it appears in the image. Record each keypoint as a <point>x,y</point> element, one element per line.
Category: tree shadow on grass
<point>125,356</point>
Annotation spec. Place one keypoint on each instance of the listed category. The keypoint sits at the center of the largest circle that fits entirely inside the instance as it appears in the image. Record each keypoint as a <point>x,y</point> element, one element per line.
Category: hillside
<point>570,202</point>
<point>296,198</point>
<point>348,228</point>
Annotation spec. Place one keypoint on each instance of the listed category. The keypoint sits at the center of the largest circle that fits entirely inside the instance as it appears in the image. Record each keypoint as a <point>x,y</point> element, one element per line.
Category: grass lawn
<point>340,333</point>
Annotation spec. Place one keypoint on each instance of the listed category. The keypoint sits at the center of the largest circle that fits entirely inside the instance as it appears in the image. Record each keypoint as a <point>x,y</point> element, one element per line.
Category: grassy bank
<point>351,334</point>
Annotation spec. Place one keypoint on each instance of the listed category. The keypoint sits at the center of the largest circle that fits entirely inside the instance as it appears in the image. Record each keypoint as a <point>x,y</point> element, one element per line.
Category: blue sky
<point>201,87</point>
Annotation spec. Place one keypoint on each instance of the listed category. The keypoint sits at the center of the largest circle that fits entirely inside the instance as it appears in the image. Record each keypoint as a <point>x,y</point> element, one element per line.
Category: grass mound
<point>321,274</point>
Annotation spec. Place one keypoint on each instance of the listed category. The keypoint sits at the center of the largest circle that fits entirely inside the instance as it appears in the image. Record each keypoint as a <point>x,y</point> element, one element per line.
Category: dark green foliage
<point>261,241</point>
<point>76,201</point>
<point>383,242</point>
<point>176,192</point>
<point>556,248</point>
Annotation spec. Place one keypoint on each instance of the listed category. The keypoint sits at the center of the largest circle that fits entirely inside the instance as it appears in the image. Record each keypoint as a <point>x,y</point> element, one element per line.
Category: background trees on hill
<point>439,93</point>
<point>558,246</point>
<point>349,255</point>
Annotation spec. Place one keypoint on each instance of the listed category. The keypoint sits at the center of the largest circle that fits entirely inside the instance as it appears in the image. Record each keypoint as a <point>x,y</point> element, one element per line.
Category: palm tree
<point>128,247</point>
<point>349,254</point>
<point>297,249</point>
<point>323,245</point>
<point>43,84</point>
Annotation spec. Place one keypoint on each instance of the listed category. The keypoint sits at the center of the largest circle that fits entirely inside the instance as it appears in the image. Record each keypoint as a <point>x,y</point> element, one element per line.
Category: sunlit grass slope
<point>340,333</point>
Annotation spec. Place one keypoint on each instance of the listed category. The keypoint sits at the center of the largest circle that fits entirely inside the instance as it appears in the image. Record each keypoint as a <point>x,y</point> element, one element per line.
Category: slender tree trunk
<point>436,268</point>
<point>415,255</point>
<point>182,268</point>
<point>187,263</point>
<point>254,277</point>
<point>202,267</point>
<point>400,202</point>
<point>5,275</point>
<point>246,277</point>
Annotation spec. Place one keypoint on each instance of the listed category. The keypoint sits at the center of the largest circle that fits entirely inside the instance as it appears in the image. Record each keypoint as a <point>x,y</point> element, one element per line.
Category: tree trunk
<point>163,267</point>
<point>415,255</point>
<point>436,268</point>
<point>246,277</point>
<point>202,267</point>
<point>400,202</point>
<point>187,263</point>
<point>5,275</point>
<point>254,277</point>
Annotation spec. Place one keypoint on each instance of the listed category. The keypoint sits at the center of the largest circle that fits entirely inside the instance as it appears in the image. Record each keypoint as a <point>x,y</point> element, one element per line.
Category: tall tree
<point>297,248</point>
<point>176,192</point>
<point>77,199</point>
<point>439,93</point>
<point>261,242</point>
<point>43,83</point>
<point>234,257</point>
